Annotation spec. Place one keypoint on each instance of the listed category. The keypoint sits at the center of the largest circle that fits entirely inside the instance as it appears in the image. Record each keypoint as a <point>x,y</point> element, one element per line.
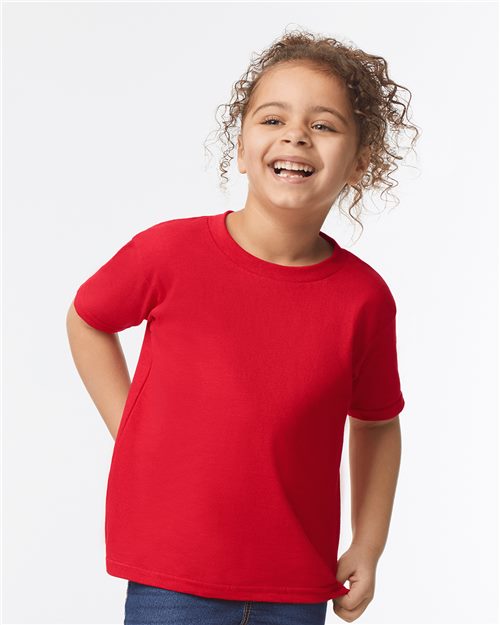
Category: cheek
<point>256,156</point>
<point>338,160</point>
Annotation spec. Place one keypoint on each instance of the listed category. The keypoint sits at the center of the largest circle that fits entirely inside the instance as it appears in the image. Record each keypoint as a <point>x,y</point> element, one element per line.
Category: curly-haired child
<point>263,335</point>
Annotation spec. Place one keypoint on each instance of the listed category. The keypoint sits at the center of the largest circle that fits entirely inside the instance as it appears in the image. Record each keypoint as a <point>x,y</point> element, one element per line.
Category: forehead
<point>301,82</point>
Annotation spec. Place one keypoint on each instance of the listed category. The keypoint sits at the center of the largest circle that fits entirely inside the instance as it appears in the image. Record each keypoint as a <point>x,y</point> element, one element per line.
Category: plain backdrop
<point>105,110</point>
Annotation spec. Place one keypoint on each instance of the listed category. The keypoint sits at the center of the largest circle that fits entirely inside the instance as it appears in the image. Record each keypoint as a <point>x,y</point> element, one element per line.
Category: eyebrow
<point>313,109</point>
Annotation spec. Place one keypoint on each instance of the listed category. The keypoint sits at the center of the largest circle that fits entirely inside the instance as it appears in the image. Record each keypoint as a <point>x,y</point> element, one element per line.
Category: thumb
<point>344,571</point>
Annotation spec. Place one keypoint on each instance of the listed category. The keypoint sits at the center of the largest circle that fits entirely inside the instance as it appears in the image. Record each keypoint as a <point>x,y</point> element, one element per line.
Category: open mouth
<point>292,176</point>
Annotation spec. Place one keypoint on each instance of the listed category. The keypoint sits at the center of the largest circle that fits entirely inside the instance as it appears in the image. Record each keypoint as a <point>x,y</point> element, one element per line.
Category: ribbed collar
<point>305,273</point>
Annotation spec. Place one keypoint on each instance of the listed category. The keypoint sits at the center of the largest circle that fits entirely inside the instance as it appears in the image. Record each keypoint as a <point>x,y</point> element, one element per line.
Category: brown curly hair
<point>380,113</point>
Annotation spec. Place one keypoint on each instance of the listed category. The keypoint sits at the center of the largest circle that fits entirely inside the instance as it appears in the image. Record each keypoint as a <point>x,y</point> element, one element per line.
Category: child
<point>262,335</point>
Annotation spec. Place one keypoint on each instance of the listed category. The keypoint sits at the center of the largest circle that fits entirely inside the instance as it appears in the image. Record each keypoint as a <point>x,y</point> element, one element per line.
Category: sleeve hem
<point>89,319</point>
<point>380,414</point>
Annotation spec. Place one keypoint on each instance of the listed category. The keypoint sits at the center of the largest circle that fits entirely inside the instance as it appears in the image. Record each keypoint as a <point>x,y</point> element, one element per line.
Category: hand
<point>358,565</point>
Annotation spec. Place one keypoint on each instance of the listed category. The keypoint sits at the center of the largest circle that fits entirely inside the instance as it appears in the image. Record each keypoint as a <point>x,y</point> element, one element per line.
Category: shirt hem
<point>223,591</point>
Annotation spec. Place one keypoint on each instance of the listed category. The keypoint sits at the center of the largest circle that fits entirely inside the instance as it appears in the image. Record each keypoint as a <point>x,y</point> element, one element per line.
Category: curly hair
<point>380,113</point>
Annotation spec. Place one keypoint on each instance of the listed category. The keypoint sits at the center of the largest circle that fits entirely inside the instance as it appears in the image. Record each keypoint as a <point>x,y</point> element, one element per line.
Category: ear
<point>361,163</point>
<point>240,157</point>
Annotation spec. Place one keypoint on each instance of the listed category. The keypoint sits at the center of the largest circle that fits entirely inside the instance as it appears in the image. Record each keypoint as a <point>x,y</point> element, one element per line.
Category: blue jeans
<point>149,605</point>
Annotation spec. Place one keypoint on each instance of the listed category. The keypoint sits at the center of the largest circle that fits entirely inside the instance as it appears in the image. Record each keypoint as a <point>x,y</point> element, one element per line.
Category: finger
<point>357,595</point>
<point>349,601</point>
<point>350,614</point>
<point>353,597</point>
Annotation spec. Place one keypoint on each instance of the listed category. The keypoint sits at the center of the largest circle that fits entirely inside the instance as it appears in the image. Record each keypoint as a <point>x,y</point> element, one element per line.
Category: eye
<point>327,127</point>
<point>275,119</point>
<point>270,119</point>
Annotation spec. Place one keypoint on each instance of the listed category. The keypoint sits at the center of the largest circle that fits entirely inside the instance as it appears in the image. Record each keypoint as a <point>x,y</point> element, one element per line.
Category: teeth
<point>292,166</point>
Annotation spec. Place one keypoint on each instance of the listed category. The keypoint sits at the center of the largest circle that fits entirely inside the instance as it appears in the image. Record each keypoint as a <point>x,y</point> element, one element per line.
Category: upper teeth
<point>291,165</point>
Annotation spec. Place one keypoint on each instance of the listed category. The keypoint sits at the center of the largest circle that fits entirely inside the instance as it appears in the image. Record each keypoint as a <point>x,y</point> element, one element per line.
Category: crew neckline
<point>300,273</point>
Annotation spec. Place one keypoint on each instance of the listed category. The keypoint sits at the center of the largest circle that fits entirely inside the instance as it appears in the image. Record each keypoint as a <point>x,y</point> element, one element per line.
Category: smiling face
<point>299,128</point>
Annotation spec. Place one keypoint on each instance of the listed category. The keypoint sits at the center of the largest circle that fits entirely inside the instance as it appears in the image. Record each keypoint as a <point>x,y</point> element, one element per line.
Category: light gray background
<point>105,110</point>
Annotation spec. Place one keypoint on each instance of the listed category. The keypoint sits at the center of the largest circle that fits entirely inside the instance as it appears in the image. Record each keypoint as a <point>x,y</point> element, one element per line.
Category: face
<point>320,138</point>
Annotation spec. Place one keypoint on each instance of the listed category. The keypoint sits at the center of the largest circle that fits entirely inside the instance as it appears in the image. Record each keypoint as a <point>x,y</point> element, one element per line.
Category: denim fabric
<point>149,605</point>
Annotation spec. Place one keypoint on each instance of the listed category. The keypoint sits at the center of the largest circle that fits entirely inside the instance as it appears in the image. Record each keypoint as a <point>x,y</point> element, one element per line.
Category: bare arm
<point>101,364</point>
<point>375,455</point>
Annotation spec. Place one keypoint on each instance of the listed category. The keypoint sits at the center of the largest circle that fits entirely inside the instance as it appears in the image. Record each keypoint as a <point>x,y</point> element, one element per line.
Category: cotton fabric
<point>224,478</point>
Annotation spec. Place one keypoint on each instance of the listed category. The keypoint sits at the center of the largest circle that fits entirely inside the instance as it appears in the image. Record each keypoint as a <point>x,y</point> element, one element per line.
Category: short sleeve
<point>120,294</point>
<point>376,391</point>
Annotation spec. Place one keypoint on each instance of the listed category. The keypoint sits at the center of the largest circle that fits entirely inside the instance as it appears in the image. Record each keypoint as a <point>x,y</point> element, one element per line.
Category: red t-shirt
<point>224,479</point>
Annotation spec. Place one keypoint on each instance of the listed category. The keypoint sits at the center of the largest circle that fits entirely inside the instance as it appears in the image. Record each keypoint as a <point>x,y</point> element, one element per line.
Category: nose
<point>296,136</point>
<point>296,141</point>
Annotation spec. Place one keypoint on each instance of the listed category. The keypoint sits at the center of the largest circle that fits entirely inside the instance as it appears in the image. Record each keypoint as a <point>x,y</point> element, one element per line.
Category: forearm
<point>101,364</point>
<point>375,456</point>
